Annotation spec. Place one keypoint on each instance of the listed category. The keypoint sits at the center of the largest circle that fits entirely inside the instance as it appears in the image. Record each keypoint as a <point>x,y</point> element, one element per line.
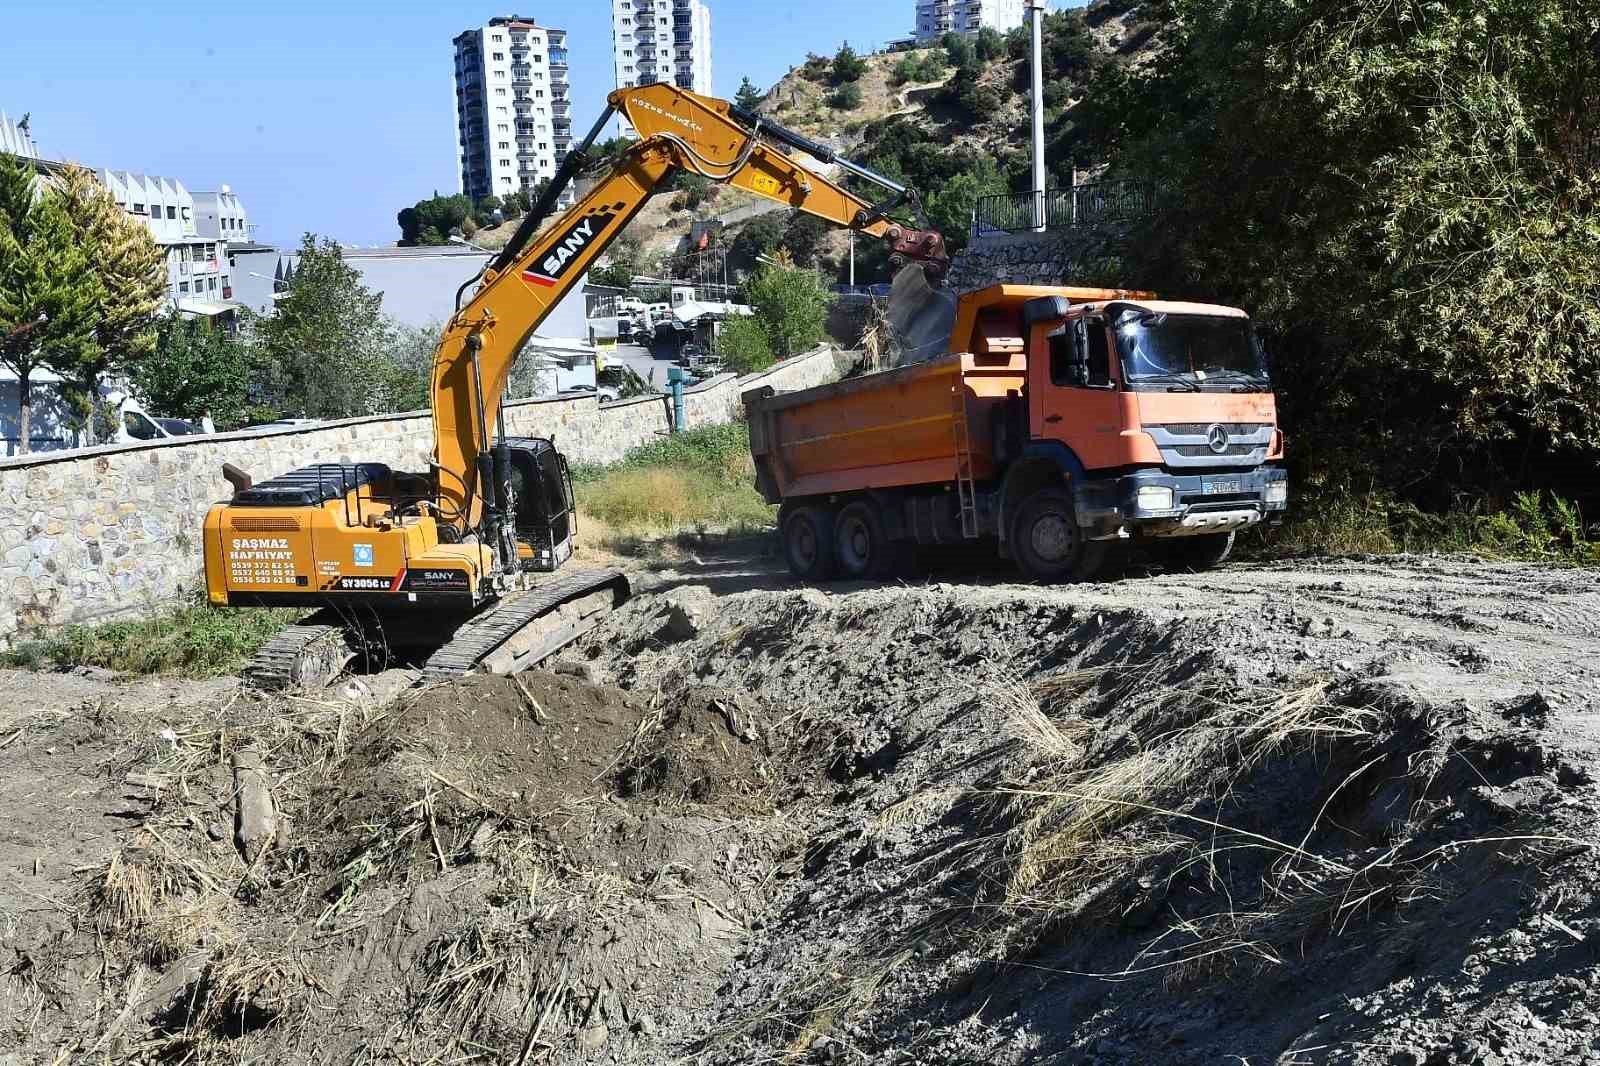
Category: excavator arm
<point>539,266</point>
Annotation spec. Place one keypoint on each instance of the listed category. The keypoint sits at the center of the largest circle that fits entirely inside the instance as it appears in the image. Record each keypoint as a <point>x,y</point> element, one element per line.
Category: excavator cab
<point>546,517</point>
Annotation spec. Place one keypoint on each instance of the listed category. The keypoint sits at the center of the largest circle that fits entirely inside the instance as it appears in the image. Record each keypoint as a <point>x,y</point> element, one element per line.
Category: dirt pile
<point>534,868</point>
<point>1336,812</point>
<point>1348,818</point>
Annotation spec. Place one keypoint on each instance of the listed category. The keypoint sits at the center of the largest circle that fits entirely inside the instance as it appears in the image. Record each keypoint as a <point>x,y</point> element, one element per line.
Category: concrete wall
<point>117,530</point>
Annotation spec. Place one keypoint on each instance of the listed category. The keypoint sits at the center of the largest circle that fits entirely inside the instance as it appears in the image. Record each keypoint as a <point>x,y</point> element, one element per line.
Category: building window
<point>500,91</point>
<point>211,251</point>
<point>172,212</point>
<point>499,57</point>
<point>138,209</point>
<point>183,287</point>
<point>504,145</point>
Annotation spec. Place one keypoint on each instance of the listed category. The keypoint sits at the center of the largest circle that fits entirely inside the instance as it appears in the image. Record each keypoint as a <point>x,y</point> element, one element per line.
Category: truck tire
<point>807,533</point>
<point>1200,552</point>
<point>862,551</point>
<point>1048,544</point>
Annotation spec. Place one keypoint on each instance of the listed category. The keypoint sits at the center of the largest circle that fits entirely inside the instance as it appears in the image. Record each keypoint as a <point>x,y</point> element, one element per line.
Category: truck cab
<point>1168,409</point>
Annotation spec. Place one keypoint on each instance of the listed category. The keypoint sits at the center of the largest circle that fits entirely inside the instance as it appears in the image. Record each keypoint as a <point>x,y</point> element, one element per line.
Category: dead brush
<point>461,974</point>
<point>122,893</point>
<point>1066,818</point>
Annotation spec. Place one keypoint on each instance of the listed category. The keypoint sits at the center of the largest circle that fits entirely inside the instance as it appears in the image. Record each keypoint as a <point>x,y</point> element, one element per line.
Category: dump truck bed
<point>891,429</point>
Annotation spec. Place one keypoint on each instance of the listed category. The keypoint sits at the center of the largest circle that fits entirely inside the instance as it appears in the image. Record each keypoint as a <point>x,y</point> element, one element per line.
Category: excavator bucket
<point>921,316</point>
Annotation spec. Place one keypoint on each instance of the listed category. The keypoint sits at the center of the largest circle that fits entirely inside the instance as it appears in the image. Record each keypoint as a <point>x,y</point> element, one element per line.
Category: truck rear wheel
<point>1048,543</point>
<point>861,548</point>
<point>1199,552</point>
<point>807,533</point>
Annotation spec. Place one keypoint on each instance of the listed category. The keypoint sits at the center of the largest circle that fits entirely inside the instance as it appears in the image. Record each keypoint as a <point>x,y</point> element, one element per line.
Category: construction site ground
<point>1336,811</point>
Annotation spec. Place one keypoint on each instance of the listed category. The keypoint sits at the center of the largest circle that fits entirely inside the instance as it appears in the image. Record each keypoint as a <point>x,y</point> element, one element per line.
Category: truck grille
<point>1197,450</point>
<point>1199,429</point>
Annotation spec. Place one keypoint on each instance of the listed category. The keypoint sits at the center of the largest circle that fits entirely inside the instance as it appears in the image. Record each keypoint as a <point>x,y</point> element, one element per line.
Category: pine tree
<point>748,96</point>
<point>49,289</point>
<point>133,280</point>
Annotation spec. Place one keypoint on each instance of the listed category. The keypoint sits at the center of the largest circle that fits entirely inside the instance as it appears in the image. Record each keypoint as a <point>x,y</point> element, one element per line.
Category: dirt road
<point>1329,811</point>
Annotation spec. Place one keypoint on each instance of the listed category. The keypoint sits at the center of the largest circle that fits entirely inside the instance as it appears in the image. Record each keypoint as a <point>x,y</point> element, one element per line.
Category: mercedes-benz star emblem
<point>1217,439</point>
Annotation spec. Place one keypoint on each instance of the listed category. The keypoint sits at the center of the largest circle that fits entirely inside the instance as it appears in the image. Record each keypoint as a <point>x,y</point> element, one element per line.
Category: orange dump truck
<point>1071,420</point>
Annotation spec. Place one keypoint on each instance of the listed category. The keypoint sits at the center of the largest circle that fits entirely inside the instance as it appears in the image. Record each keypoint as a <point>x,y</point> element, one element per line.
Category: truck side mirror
<point>1078,369</point>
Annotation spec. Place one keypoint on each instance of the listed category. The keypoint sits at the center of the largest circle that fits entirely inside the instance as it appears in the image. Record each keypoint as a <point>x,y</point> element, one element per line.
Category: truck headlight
<point>1277,492</point>
<point>1155,498</point>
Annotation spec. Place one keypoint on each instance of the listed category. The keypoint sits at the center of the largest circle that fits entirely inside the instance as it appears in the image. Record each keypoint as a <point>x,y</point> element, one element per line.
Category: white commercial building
<point>513,106</point>
<point>199,277</point>
<point>935,18</point>
<point>661,41</point>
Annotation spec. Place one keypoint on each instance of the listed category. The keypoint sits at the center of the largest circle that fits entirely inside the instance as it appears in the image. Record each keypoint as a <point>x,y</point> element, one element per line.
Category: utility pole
<point>1036,9</point>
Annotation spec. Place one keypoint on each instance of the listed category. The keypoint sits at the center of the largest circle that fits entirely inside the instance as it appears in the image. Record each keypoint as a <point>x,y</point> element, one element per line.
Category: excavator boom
<point>538,267</point>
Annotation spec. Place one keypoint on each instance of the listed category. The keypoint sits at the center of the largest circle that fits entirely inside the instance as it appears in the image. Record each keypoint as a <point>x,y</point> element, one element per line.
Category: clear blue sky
<point>331,115</point>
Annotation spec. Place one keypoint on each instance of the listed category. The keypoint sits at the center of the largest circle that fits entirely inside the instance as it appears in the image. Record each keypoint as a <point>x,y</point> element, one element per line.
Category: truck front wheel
<point>807,533</point>
<point>1048,543</point>
<point>1199,552</point>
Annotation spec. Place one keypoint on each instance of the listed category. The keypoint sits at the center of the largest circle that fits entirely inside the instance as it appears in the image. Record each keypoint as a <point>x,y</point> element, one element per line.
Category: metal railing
<point>1081,205</point>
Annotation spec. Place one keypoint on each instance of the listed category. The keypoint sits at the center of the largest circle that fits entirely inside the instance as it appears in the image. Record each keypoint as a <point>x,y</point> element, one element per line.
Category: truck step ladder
<point>966,494</point>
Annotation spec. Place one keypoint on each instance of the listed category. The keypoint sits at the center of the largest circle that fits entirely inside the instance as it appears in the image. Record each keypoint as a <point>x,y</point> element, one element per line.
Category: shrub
<point>846,97</point>
<point>744,346</point>
<point>197,640</point>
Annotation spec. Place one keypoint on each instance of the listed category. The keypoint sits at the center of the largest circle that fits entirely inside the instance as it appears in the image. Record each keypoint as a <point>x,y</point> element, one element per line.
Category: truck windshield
<point>1194,349</point>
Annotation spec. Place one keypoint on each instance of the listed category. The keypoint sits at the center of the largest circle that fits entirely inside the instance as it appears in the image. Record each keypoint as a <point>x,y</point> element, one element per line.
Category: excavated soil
<point>1330,811</point>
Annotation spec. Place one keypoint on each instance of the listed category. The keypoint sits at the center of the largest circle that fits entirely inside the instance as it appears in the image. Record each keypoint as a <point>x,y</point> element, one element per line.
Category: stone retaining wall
<point>1079,256</point>
<point>117,530</point>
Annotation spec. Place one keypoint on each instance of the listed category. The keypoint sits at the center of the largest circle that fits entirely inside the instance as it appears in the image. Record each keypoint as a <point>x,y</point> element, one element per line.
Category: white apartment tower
<point>513,106</point>
<point>661,40</point>
<point>935,18</point>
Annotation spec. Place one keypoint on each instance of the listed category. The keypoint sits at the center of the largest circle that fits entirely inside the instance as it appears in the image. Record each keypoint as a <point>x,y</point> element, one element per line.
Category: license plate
<point>1220,488</point>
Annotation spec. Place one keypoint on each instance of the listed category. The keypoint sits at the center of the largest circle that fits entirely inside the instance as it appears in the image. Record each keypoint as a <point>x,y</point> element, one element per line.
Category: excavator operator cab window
<point>539,481</point>
<point>1080,355</point>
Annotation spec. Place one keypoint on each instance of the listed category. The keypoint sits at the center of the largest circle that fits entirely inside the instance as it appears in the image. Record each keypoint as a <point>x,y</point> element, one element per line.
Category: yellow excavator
<point>460,560</point>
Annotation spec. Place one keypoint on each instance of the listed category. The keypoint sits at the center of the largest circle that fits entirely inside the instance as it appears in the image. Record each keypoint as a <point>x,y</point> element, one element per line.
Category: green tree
<point>195,367</point>
<point>847,66</point>
<point>431,221</point>
<point>49,290</point>
<point>950,205</point>
<point>791,307</point>
<point>990,44</point>
<point>846,97</point>
<point>487,206</point>
<point>748,97</point>
<point>960,50</point>
<point>133,283</point>
<point>326,346</point>
<point>803,236</point>
<point>1406,199</point>
<point>760,236</point>
<point>743,346</point>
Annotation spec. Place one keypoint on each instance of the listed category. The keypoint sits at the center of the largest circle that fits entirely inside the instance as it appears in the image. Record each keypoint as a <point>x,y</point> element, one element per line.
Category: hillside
<point>951,121</point>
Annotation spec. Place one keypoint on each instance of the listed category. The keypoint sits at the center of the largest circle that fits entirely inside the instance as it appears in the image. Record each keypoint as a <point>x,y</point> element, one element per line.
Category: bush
<point>744,347</point>
<point>195,641</point>
<point>846,97</point>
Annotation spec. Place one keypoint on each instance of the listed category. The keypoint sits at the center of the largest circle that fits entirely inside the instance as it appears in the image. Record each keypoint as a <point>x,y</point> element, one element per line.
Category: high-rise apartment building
<point>935,18</point>
<point>662,40</point>
<point>513,106</point>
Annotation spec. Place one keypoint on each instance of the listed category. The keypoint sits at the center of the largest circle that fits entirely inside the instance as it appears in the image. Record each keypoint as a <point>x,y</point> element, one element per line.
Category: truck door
<point>1072,391</point>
